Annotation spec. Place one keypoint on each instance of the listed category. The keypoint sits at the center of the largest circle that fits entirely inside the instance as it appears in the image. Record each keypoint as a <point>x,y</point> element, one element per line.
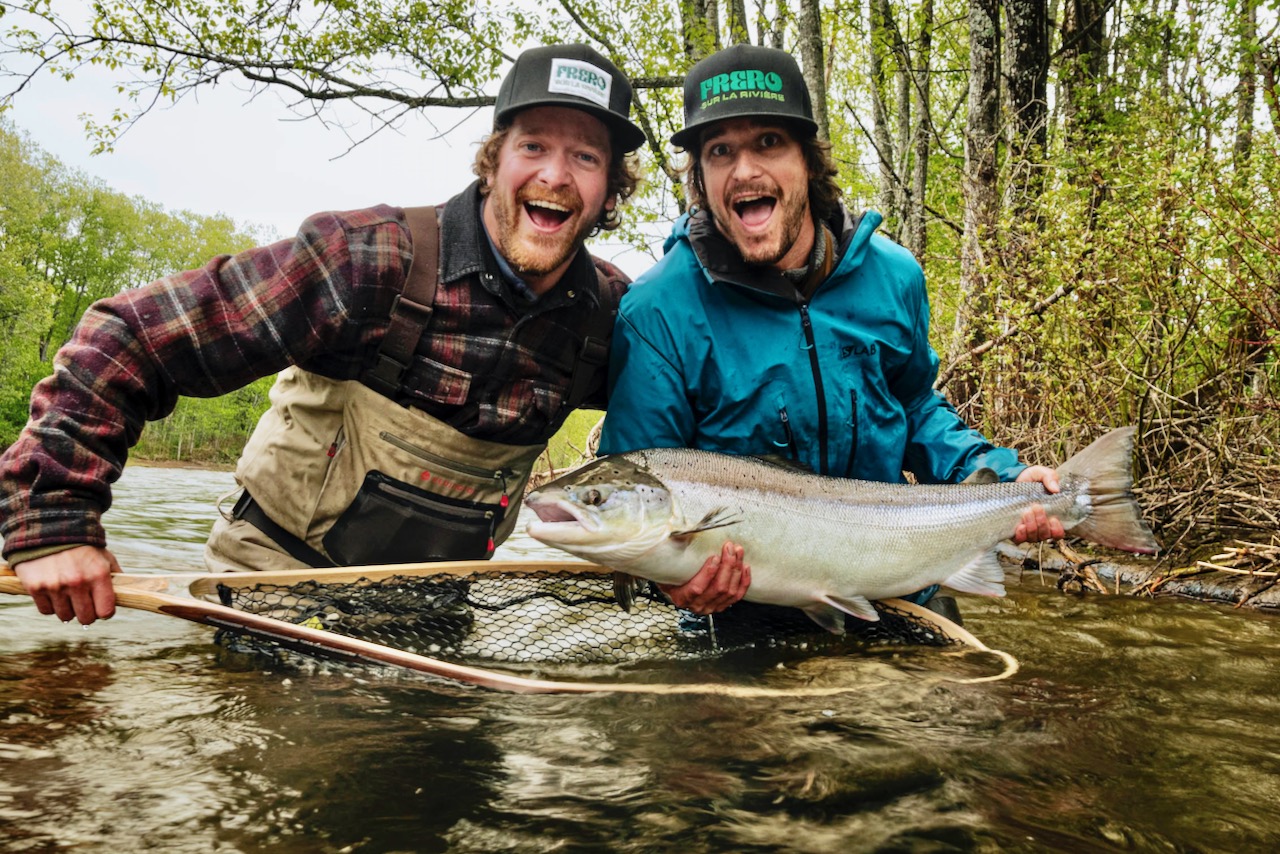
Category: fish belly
<point>799,552</point>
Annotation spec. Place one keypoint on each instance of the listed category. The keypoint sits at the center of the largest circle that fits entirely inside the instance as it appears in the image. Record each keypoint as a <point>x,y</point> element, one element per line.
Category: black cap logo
<point>745,81</point>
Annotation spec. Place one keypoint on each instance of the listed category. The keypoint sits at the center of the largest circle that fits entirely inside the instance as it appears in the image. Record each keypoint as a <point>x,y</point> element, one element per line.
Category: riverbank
<point>1251,584</point>
<point>181,464</point>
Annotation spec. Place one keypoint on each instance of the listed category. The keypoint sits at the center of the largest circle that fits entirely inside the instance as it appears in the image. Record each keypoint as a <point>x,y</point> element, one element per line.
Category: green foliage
<point>67,240</point>
<point>25,299</point>
<point>208,431</point>
<point>569,446</point>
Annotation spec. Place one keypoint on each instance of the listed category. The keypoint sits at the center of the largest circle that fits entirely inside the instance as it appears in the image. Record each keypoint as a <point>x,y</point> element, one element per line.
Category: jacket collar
<point>465,251</point>
<point>722,261</point>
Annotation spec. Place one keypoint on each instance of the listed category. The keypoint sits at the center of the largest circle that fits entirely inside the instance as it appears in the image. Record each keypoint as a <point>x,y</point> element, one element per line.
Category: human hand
<point>722,581</point>
<point>1037,525</point>
<point>72,583</point>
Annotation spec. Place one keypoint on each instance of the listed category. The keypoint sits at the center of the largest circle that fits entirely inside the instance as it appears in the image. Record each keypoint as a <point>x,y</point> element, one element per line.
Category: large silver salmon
<point>826,545</point>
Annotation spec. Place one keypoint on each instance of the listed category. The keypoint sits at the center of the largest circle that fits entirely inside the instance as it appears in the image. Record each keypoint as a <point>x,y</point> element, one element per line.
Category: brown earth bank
<point>1238,573</point>
<point>181,464</point>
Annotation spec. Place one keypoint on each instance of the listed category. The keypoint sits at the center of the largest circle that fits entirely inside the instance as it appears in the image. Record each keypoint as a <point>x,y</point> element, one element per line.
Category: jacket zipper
<point>786,432</point>
<point>811,346</point>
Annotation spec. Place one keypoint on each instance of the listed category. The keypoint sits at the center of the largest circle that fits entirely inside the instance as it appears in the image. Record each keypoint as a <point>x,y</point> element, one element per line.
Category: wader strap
<point>248,510</point>
<point>595,348</point>
<point>411,310</point>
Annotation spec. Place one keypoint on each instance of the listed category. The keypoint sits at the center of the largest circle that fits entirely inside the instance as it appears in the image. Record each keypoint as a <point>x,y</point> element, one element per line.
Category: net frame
<point>142,592</point>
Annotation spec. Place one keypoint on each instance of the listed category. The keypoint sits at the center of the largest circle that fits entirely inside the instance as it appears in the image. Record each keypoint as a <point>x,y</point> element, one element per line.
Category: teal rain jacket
<point>710,353</point>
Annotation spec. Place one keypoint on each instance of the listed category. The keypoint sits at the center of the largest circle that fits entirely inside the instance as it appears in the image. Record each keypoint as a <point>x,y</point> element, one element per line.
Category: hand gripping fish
<point>823,544</point>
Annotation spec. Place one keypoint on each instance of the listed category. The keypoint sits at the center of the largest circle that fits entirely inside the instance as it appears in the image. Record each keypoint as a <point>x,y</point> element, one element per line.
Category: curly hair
<point>623,179</point>
<point>824,192</point>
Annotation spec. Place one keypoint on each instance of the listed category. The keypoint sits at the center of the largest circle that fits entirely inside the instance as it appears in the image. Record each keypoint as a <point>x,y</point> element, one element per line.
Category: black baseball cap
<point>744,81</point>
<point>569,75</point>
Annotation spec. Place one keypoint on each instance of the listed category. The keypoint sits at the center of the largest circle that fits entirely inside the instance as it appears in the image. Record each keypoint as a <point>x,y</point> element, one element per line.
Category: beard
<point>772,246</point>
<point>532,253</point>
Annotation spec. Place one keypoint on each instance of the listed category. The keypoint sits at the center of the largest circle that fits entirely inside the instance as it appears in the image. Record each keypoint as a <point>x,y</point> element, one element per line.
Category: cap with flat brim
<point>569,76</point>
<point>745,81</point>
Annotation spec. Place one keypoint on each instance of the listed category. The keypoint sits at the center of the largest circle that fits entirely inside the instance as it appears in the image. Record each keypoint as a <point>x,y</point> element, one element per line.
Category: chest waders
<point>338,473</point>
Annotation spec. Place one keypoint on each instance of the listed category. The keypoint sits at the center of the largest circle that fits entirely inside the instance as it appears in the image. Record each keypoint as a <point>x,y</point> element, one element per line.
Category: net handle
<point>313,640</point>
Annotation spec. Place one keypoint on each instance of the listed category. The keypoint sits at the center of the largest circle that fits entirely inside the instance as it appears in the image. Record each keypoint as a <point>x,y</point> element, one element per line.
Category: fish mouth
<point>559,520</point>
<point>555,511</point>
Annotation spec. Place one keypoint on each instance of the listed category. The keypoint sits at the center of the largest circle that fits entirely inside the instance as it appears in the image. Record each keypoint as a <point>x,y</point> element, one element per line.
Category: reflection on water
<point>1133,725</point>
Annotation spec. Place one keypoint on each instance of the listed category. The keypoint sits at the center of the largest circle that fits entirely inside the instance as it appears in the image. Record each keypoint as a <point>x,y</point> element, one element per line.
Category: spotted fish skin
<point>827,545</point>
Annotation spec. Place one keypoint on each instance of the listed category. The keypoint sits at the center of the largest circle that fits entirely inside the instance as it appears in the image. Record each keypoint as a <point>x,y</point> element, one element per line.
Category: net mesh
<point>543,617</point>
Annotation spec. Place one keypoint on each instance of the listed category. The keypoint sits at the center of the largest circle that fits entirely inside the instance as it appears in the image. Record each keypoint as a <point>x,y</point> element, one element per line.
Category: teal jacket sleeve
<point>941,448</point>
<point>648,404</point>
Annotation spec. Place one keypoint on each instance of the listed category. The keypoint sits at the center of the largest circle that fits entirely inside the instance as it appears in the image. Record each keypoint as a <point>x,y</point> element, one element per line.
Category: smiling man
<point>425,357</point>
<point>780,323</point>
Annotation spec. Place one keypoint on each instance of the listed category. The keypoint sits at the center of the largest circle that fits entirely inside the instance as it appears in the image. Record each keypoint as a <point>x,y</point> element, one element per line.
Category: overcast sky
<point>253,160</point>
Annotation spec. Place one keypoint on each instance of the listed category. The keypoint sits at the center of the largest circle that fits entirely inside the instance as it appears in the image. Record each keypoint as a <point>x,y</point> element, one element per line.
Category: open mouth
<point>754,210</point>
<point>545,215</point>
<point>561,514</point>
<point>552,511</point>
<point>559,523</point>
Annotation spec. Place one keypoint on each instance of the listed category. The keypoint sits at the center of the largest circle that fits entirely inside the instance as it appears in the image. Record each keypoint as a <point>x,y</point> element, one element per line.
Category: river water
<point>1134,725</point>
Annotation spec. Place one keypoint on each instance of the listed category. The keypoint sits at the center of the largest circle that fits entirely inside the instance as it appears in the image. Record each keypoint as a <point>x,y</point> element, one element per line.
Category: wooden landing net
<point>460,620</point>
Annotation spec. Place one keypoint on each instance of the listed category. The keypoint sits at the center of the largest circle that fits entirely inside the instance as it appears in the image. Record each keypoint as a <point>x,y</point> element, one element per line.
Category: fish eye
<point>592,497</point>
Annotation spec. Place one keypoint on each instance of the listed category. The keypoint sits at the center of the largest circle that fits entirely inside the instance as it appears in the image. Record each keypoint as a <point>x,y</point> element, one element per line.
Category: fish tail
<point>1114,519</point>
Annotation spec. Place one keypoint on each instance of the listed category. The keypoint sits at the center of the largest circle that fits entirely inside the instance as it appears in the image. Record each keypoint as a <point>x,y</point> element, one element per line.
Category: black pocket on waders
<point>393,522</point>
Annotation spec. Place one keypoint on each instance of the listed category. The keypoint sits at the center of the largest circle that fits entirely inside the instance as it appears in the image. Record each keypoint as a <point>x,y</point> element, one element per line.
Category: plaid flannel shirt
<point>492,364</point>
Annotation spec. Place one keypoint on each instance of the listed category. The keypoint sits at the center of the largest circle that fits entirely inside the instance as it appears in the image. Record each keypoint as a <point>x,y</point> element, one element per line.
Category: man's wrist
<point>23,555</point>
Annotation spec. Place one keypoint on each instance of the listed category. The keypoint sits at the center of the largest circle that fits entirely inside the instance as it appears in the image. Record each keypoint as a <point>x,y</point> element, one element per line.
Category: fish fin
<point>624,590</point>
<point>982,576</point>
<point>718,518</point>
<point>855,606</point>
<point>830,618</point>
<point>982,475</point>
<point>1114,519</point>
<point>784,462</point>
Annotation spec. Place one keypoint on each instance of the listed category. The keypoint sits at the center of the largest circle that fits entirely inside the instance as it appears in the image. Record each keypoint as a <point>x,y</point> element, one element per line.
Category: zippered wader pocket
<point>394,522</point>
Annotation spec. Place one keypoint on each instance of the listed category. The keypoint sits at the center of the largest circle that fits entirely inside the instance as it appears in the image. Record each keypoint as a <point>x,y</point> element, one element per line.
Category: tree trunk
<point>738,31</point>
<point>981,199</point>
<point>811,60</point>
<point>1027,64</point>
<point>1081,72</point>
<point>773,32</point>
<point>916,233</point>
<point>1248,346</point>
<point>711,22</point>
<point>902,86</point>
<point>1082,59</point>
<point>697,28</point>
<point>879,47</point>
<point>1269,63</point>
<point>1247,90</point>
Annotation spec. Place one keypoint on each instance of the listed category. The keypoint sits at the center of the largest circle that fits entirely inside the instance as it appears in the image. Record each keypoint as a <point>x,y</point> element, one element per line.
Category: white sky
<point>254,161</point>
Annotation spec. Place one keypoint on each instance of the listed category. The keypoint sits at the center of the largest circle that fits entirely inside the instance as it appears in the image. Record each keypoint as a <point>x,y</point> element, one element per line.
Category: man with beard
<point>425,357</point>
<point>778,322</point>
